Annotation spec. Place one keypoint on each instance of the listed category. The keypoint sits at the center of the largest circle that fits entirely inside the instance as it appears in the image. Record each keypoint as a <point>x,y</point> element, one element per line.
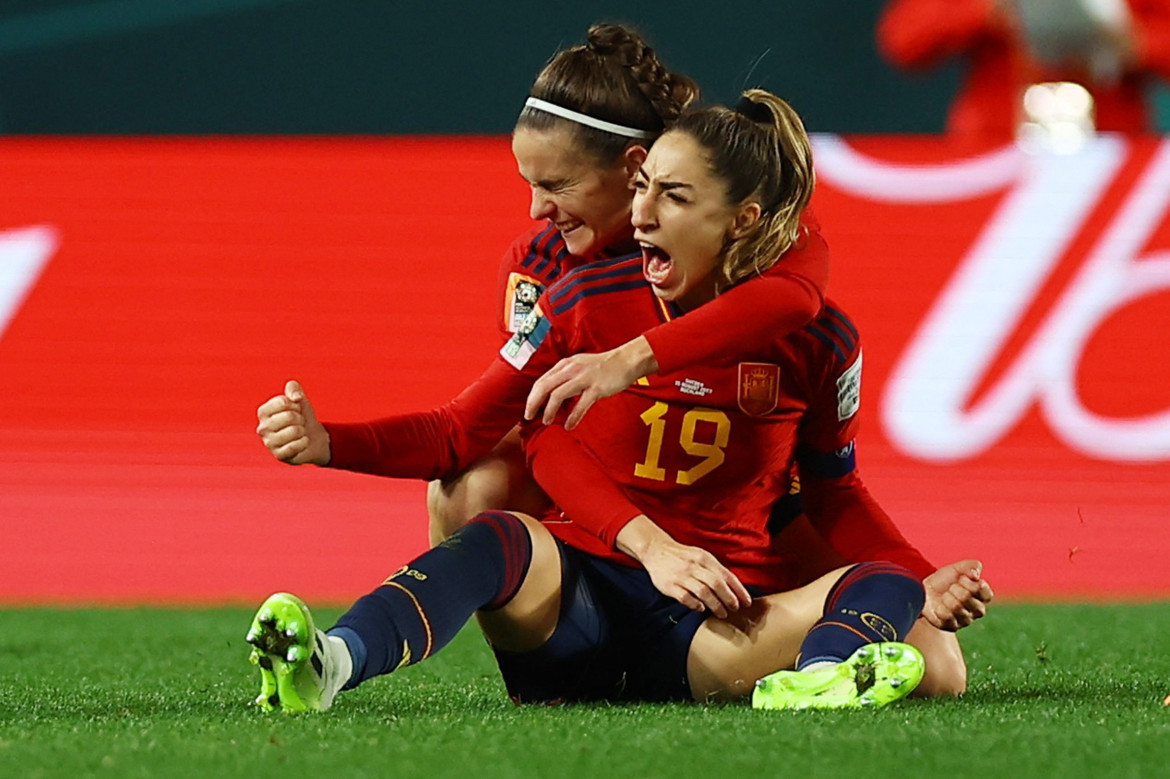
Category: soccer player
<point>579,167</point>
<point>594,110</point>
<point>653,604</point>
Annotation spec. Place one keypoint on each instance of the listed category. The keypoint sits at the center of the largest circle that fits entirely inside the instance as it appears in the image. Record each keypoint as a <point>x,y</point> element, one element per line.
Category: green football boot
<point>290,652</point>
<point>875,675</point>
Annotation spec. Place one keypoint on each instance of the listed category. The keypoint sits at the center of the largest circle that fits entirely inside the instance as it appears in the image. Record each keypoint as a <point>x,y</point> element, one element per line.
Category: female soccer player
<point>579,154</point>
<point>568,612</point>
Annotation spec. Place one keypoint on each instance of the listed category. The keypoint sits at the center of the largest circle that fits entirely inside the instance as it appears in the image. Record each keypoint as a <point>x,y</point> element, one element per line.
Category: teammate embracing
<point>653,602</point>
<point>579,148</point>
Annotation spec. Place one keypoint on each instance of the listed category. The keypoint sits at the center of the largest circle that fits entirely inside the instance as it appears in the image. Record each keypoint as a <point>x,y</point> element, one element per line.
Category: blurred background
<point>202,199</point>
<point>366,66</point>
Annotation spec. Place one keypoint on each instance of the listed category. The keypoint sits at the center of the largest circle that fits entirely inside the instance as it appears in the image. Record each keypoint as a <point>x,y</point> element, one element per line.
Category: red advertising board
<point>1016,394</point>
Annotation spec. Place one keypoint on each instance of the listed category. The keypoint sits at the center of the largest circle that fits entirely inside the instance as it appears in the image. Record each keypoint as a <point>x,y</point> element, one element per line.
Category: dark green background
<point>378,66</point>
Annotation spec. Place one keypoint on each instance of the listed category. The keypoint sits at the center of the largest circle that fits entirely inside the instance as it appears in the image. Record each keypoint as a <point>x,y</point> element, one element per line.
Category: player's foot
<point>875,675</point>
<point>296,668</point>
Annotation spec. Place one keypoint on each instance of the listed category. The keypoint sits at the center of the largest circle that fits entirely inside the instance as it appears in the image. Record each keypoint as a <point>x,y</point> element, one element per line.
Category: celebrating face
<point>588,204</point>
<point>682,220</point>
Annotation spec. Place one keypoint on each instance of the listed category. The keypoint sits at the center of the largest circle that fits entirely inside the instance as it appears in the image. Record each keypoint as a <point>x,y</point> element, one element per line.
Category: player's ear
<point>746,216</point>
<point>632,159</point>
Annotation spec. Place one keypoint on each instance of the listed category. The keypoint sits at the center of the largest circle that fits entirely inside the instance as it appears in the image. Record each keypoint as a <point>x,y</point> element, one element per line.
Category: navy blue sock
<point>420,608</point>
<point>871,602</point>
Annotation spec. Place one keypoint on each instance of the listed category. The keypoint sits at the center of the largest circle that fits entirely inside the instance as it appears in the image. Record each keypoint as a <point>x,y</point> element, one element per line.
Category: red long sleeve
<point>576,482</point>
<point>845,513</point>
<point>439,443</point>
<point>751,315</point>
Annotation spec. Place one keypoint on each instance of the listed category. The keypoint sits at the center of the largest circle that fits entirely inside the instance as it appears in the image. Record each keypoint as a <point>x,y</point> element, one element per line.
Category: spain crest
<point>759,388</point>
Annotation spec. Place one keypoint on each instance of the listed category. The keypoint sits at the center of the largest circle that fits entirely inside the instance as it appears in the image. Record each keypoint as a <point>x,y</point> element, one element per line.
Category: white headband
<point>585,119</point>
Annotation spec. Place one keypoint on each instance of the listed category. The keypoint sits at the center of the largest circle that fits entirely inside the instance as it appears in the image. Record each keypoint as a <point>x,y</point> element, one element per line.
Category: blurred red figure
<point>1129,46</point>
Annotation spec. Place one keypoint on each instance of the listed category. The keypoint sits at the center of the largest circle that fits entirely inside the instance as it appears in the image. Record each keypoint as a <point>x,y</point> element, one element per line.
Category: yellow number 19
<point>713,453</point>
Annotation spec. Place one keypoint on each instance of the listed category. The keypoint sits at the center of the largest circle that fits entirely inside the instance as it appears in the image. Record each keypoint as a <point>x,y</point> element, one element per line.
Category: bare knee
<point>447,509</point>
<point>529,618</point>
<point>451,504</point>
<point>946,669</point>
<point>498,482</point>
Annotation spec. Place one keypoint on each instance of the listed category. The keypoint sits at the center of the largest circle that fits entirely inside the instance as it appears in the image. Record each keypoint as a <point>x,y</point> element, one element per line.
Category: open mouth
<point>656,264</point>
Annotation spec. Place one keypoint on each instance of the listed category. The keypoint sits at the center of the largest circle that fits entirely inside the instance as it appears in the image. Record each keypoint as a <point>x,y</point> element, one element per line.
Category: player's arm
<point>582,490</point>
<point>438,443</point>
<point>736,325</point>
<point>923,33</point>
<point>430,444</point>
<point>842,510</point>
<point>426,445</point>
<point>836,502</point>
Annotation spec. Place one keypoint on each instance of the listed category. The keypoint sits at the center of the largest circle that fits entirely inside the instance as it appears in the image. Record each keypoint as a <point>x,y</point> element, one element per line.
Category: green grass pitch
<point>1056,690</point>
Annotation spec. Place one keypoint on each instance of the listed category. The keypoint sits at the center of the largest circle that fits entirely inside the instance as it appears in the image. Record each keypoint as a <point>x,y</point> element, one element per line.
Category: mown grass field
<point>1056,690</point>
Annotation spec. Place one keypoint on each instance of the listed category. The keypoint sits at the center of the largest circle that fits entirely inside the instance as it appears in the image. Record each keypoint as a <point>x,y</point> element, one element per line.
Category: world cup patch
<point>849,391</point>
<point>520,298</point>
<point>530,334</point>
<point>759,388</point>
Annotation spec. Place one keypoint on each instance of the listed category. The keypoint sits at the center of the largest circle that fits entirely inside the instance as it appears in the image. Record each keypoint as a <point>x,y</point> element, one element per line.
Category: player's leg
<point>946,669</point>
<point>823,623</point>
<point>505,564</point>
<point>500,481</point>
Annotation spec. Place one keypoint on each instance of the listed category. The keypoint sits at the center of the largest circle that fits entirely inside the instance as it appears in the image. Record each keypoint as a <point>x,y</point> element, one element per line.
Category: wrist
<point>638,358</point>
<point>637,537</point>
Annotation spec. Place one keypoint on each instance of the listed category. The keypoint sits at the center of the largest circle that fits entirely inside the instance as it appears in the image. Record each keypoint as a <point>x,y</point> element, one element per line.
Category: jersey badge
<point>529,335</point>
<point>759,388</point>
<point>849,391</point>
<point>520,299</point>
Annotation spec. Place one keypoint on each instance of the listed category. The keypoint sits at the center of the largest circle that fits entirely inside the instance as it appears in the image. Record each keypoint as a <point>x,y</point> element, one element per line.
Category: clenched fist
<point>289,428</point>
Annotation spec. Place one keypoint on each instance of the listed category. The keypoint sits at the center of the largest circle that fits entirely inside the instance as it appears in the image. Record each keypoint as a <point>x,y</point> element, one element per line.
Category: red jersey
<point>443,442</point>
<point>695,450</point>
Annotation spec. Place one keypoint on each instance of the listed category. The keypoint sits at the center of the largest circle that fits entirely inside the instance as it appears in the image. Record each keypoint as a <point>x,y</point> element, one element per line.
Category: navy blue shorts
<point>617,639</point>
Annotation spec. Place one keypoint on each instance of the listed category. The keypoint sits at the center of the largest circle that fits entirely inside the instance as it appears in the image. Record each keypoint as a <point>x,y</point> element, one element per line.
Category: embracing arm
<point>735,325</point>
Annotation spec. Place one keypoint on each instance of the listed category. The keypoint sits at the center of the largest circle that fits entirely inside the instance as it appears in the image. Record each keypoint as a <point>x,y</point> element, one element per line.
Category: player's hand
<point>956,595</point>
<point>697,580</point>
<point>590,376</point>
<point>289,428</point>
<point>690,575</point>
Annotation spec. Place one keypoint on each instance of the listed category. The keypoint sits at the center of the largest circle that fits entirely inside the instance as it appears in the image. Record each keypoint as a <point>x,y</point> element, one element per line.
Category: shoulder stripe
<point>535,245</point>
<point>839,315</point>
<point>556,260</point>
<point>835,330</point>
<point>827,340</point>
<point>592,272</point>
<point>583,292</point>
<point>546,247</point>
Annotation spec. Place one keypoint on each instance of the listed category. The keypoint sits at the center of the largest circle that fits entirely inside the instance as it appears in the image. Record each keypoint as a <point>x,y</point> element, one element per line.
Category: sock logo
<point>406,570</point>
<point>879,625</point>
